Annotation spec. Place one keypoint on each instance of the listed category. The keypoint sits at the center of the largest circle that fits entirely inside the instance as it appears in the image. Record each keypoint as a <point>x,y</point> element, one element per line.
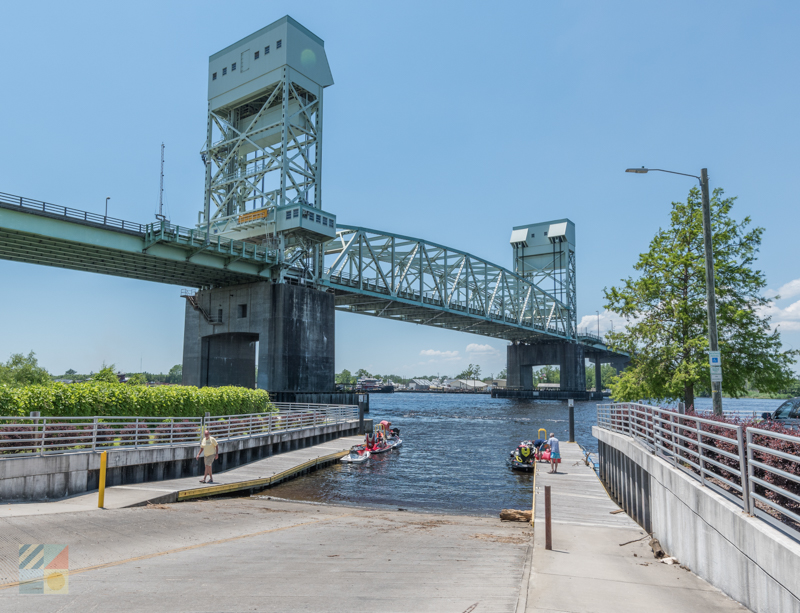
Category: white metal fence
<point>52,435</point>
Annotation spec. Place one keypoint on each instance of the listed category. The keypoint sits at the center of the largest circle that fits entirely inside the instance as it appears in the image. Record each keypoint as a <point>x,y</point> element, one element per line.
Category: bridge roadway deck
<point>590,568</point>
<point>255,475</point>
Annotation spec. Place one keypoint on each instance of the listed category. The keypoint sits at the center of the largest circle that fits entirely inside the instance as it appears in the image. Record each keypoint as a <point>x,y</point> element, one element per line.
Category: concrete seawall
<point>743,556</point>
<point>31,477</point>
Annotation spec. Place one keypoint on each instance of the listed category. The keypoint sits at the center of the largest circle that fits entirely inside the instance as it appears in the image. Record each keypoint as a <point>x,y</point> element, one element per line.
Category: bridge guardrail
<point>756,468</point>
<point>56,435</point>
<point>63,211</point>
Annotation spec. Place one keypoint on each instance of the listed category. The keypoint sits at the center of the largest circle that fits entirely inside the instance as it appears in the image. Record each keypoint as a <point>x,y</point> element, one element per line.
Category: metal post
<point>750,473</point>
<point>700,452</point>
<point>571,420</point>
<point>101,495</point>
<point>713,344</point>
<point>548,536</point>
<point>94,434</point>
<point>743,470</point>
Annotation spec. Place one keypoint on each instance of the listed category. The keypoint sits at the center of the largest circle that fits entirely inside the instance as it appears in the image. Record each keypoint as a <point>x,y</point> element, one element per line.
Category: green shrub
<point>114,400</point>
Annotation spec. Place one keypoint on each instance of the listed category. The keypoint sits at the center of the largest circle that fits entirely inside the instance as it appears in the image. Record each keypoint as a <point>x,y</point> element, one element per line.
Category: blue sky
<point>452,121</point>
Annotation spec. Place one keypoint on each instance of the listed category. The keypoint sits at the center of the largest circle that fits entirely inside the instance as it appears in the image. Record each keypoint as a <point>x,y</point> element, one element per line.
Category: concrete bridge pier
<point>599,358</point>
<point>292,326</point>
<point>569,357</point>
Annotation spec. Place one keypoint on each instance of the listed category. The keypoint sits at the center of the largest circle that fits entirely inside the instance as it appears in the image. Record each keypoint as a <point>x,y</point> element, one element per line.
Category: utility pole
<point>711,300</point>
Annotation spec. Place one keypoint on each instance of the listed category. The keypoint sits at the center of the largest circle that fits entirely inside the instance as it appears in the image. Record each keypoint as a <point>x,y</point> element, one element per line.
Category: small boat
<point>357,455</point>
<point>523,458</point>
<point>521,466</point>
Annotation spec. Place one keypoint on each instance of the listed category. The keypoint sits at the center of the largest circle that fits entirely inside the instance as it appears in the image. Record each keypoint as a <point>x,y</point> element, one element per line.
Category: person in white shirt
<point>210,451</point>
<point>555,455</point>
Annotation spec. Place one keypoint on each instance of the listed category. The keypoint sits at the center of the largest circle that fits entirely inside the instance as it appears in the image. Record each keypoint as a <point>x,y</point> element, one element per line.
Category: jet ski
<point>358,455</point>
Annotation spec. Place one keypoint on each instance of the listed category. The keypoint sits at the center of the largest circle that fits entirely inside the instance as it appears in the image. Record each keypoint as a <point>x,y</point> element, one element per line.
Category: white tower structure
<point>263,150</point>
<point>544,253</point>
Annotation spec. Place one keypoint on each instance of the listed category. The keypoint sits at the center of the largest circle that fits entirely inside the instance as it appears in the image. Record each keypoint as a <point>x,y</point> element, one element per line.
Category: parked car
<point>787,414</point>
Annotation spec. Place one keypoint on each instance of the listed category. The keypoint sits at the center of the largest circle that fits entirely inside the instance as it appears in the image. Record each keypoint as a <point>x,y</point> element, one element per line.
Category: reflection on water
<point>454,452</point>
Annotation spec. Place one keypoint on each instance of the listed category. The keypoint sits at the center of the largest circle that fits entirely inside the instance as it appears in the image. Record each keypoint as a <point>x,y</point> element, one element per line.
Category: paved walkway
<point>259,474</point>
<point>590,568</point>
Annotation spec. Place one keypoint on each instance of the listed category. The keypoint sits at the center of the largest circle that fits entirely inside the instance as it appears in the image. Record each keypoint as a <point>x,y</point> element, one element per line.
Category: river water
<point>453,457</point>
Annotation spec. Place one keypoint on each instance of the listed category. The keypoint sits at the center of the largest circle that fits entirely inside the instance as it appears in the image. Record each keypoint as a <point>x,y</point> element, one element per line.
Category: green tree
<point>345,378</point>
<point>503,374</point>
<point>361,374</point>
<point>665,306</point>
<point>175,374</point>
<point>138,378</point>
<point>473,371</point>
<point>71,372</point>
<point>106,375</point>
<point>548,374</point>
<point>23,370</point>
<point>607,374</point>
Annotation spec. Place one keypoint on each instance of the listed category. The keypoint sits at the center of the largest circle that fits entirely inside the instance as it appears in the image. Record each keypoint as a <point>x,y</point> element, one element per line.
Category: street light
<point>598,323</point>
<point>716,386</point>
<point>107,199</point>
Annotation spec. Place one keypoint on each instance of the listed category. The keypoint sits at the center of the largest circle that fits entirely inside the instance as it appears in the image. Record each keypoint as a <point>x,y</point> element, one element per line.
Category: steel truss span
<point>409,279</point>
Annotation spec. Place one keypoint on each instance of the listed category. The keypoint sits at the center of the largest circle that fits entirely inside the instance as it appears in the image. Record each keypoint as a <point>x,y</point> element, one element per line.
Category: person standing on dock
<point>210,451</point>
<point>555,453</point>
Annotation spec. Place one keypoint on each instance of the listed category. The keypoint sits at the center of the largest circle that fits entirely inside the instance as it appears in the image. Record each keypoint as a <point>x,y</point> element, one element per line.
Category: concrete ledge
<point>36,478</point>
<point>743,556</point>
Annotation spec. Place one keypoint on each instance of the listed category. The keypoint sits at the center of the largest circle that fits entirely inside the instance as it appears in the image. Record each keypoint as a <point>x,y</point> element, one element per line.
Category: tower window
<point>255,55</point>
<point>318,218</point>
<point>278,44</point>
<point>296,212</point>
<point>324,221</point>
<point>288,214</point>
<point>242,311</point>
<point>266,50</point>
<point>233,66</point>
<point>214,77</point>
<point>224,71</point>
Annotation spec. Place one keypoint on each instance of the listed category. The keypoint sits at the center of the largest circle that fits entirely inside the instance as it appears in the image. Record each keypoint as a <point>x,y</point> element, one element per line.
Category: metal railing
<point>74,214</point>
<point>711,451</point>
<point>756,468</point>
<point>54,435</point>
<point>759,472</point>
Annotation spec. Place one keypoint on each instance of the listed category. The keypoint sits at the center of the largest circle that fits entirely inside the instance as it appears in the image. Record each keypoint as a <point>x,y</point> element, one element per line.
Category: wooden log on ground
<point>515,515</point>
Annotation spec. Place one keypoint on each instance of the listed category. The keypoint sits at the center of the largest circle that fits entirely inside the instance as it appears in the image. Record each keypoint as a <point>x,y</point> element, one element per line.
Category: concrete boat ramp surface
<point>260,554</point>
<point>254,476</point>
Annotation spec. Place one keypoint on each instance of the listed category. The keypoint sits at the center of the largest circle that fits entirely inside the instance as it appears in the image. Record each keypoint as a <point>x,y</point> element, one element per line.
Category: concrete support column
<point>297,347</point>
<point>598,374</point>
<point>573,367</point>
<point>293,324</point>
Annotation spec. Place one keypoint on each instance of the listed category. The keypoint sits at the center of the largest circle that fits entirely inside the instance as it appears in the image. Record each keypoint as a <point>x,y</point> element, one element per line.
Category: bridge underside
<point>397,310</point>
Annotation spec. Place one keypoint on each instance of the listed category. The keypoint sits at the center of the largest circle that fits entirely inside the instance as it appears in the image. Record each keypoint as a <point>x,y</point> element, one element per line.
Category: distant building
<point>419,384</point>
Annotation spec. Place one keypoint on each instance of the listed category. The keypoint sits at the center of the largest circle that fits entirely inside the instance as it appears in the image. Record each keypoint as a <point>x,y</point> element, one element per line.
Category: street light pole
<point>107,199</point>
<point>598,323</point>
<point>711,300</point>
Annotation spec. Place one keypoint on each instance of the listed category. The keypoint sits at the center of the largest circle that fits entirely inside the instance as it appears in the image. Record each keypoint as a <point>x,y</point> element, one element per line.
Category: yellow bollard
<point>102,491</point>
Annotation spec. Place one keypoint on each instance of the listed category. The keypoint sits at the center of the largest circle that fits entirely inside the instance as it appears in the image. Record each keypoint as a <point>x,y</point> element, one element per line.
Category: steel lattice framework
<point>410,279</point>
<point>264,154</point>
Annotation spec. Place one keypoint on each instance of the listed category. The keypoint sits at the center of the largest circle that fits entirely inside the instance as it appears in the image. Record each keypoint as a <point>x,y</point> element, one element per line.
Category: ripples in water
<point>453,457</point>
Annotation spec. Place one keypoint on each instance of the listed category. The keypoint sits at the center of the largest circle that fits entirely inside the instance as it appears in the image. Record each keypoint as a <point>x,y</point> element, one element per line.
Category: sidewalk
<point>590,569</point>
<point>259,474</point>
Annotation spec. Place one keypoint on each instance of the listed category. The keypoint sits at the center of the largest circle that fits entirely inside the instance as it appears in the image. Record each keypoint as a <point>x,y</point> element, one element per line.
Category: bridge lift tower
<point>263,185</point>
<point>544,253</point>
